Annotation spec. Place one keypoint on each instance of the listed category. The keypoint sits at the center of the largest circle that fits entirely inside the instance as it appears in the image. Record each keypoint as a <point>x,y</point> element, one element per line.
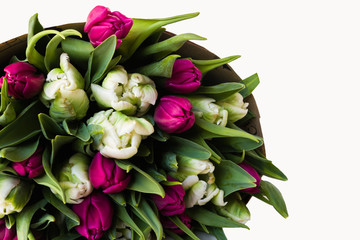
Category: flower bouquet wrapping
<point>117,129</point>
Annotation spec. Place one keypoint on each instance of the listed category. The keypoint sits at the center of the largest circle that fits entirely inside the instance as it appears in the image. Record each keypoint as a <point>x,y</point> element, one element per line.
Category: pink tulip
<point>185,77</point>
<point>104,173</point>
<point>173,202</point>
<point>5,233</point>
<point>23,80</point>
<point>95,214</point>
<point>173,114</point>
<point>168,224</point>
<point>102,23</point>
<point>249,169</point>
<point>31,167</point>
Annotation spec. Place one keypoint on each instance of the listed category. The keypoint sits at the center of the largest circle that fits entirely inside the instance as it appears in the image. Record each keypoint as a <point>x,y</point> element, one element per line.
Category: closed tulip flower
<point>31,167</point>
<point>173,114</point>
<point>5,233</point>
<point>95,213</point>
<point>236,107</point>
<point>102,23</point>
<point>173,202</point>
<point>64,92</point>
<point>74,178</point>
<point>105,174</point>
<point>24,81</point>
<point>236,210</point>
<point>249,169</point>
<point>14,194</point>
<point>185,77</point>
<point>207,109</point>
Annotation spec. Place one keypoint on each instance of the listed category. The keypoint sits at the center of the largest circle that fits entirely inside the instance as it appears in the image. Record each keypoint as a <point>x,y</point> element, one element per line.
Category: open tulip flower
<point>117,129</point>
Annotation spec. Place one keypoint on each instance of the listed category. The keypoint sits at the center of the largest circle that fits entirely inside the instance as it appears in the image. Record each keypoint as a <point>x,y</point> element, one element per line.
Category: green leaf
<point>24,127</point>
<point>183,227</point>
<point>124,216</point>
<point>169,162</point>
<point>67,236</point>
<point>56,144</point>
<point>34,27</point>
<point>141,181</point>
<point>32,55</point>
<point>208,65</point>
<point>264,166</point>
<point>275,197</point>
<point>147,214</point>
<point>173,235</point>
<point>217,131</point>
<point>118,198</point>
<point>188,148</point>
<point>142,29</point>
<point>162,68</point>
<point>161,49</point>
<point>78,50</point>
<point>218,233</point>
<point>59,205</point>
<point>250,83</point>
<point>49,127</point>
<point>100,59</point>
<point>145,229</point>
<point>43,222</point>
<point>220,91</point>
<point>199,140</point>
<point>23,219</point>
<point>209,218</point>
<point>76,129</point>
<point>231,178</point>
<point>20,152</point>
<point>52,56</point>
<point>4,95</point>
<point>48,179</point>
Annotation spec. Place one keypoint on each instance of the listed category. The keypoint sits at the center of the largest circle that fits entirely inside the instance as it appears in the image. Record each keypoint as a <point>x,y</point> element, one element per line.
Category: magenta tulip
<point>95,213</point>
<point>31,167</point>
<point>23,80</point>
<point>173,202</point>
<point>185,77</point>
<point>5,233</point>
<point>173,114</point>
<point>249,169</point>
<point>104,173</point>
<point>102,23</point>
<point>168,224</point>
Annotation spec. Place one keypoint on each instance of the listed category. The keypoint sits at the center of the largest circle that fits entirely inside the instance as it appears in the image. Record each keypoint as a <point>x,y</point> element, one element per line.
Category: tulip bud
<point>63,92</point>
<point>117,135</point>
<point>173,202</point>
<point>74,178</point>
<point>5,233</point>
<point>131,94</point>
<point>249,169</point>
<point>185,77</point>
<point>31,167</point>
<point>104,173</point>
<point>168,224</point>
<point>190,166</point>
<point>102,23</point>
<point>173,114</point>
<point>201,193</point>
<point>23,80</point>
<point>209,111</point>
<point>14,194</point>
<point>95,213</point>
<point>236,210</point>
<point>235,106</point>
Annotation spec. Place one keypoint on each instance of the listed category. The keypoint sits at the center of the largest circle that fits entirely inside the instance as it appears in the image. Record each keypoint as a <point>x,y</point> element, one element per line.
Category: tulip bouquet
<point>111,132</point>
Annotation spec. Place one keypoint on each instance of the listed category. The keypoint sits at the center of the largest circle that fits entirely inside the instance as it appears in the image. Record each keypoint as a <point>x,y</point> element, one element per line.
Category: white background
<point>307,54</point>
